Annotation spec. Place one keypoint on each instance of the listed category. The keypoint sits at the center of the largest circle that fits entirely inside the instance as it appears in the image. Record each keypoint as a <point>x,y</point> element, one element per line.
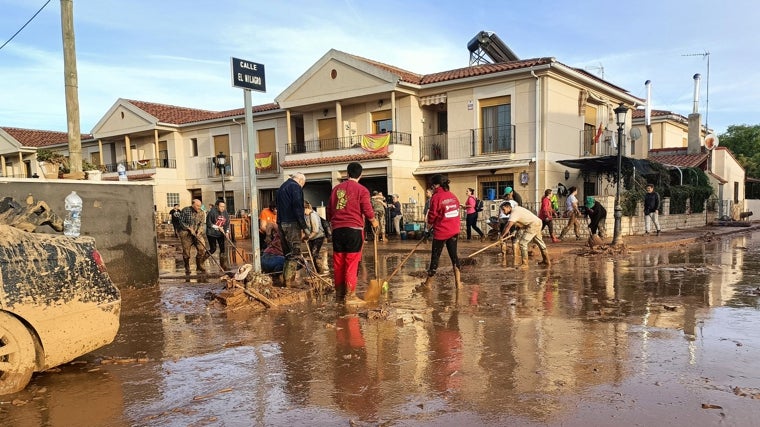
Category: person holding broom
<point>349,206</point>
<point>443,218</point>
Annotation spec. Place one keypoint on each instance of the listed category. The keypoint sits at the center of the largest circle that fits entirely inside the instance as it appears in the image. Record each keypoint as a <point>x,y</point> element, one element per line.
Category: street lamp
<point>620,113</point>
<point>221,163</point>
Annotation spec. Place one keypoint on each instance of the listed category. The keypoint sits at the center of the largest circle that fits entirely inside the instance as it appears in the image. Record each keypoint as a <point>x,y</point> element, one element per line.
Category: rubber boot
<point>514,254</point>
<point>340,292</point>
<point>186,261</point>
<point>199,264</point>
<point>353,300</point>
<point>545,258</point>
<point>457,278</point>
<point>289,271</point>
<point>524,263</point>
<point>223,261</point>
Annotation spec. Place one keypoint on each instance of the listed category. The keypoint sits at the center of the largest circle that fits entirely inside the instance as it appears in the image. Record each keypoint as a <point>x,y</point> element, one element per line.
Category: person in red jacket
<point>349,206</point>
<point>443,221</point>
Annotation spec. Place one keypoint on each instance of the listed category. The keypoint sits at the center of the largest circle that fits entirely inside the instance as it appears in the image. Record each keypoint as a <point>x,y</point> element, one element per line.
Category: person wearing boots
<point>597,216</point>
<point>573,214</point>
<point>218,230</point>
<point>316,234</point>
<point>546,214</point>
<point>443,220</point>
<point>472,215</point>
<point>193,224</point>
<point>349,206</point>
<point>531,225</point>
<point>292,224</point>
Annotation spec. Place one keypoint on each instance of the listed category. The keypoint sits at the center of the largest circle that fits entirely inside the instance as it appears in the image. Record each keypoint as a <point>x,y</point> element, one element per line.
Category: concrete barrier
<point>119,215</point>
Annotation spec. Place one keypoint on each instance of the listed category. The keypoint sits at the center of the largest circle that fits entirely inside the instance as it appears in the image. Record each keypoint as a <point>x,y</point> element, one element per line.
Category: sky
<point>178,52</point>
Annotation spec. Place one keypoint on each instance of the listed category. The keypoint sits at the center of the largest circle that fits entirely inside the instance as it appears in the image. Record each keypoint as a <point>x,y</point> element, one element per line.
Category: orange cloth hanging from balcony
<point>376,142</point>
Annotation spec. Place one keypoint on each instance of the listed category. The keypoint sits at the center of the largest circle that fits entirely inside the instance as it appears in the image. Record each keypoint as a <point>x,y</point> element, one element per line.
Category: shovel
<point>374,288</point>
<point>403,261</point>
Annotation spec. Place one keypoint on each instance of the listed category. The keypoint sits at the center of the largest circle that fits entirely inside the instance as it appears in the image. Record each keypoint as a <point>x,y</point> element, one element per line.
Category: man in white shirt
<point>531,226</point>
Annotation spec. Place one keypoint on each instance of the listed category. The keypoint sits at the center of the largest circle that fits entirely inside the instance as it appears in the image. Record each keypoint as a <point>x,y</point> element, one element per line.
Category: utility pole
<point>70,82</point>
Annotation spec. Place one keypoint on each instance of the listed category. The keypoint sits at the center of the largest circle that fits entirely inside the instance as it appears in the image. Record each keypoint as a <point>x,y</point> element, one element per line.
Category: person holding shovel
<point>443,218</point>
<point>349,206</point>
<point>193,224</point>
<point>531,225</point>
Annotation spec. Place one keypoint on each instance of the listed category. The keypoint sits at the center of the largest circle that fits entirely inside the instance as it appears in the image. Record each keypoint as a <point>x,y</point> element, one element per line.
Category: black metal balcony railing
<point>214,172</point>
<point>268,165</point>
<point>493,140</point>
<point>142,165</point>
<point>434,147</point>
<point>591,145</point>
<point>343,143</point>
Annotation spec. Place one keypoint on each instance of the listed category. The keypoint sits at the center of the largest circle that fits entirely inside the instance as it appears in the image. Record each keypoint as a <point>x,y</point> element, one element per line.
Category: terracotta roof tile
<point>679,159</point>
<point>335,159</point>
<point>40,138</point>
<point>480,70</point>
<point>182,115</point>
<point>639,113</point>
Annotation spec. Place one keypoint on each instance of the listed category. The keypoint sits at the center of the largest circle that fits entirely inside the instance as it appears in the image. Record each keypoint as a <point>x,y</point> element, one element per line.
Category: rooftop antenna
<point>599,68</point>
<point>705,54</point>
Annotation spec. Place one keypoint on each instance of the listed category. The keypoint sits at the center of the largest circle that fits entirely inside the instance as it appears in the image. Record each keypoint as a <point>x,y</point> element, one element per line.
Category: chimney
<point>648,113</point>
<point>695,122</point>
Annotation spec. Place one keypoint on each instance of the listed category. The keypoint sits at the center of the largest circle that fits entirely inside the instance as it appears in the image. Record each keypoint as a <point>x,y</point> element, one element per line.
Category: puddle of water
<point>645,339</point>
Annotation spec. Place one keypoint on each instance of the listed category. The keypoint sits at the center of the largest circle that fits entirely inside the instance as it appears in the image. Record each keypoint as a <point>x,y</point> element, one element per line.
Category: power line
<point>24,26</point>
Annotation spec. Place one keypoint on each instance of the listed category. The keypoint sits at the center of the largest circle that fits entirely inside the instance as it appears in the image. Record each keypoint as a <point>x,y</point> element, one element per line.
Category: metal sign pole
<point>252,173</point>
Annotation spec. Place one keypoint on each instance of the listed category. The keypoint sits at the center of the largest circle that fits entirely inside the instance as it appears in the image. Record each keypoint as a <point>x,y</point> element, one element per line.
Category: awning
<point>496,167</point>
<point>433,99</point>
<point>607,164</point>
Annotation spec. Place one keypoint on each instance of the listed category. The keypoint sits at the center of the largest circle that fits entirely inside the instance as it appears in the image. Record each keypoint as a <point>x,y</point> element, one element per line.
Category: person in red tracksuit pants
<point>349,206</point>
<point>443,222</point>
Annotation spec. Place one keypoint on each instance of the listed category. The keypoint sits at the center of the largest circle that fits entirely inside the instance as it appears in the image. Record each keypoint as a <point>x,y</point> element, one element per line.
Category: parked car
<point>56,303</point>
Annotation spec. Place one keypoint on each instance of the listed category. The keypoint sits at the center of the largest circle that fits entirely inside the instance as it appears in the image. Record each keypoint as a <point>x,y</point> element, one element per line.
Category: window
<point>194,147</point>
<point>496,183</point>
<point>496,121</point>
<point>382,121</point>
<point>443,122</point>
<point>172,199</point>
<point>221,144</point>
<point>736,192</point>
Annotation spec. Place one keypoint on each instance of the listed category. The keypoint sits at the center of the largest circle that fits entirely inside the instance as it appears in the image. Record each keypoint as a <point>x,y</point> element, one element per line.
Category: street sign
<point>248,75</point>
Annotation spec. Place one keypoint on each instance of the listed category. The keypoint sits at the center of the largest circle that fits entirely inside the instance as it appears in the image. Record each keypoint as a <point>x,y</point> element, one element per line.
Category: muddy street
<point>662,336</point>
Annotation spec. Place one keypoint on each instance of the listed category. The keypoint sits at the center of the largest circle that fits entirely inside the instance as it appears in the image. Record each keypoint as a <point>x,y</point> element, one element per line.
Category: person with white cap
<point>531,225</point>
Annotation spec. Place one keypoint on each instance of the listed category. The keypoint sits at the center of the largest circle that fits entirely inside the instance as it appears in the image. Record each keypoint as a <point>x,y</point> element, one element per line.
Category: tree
<point>744,141</point>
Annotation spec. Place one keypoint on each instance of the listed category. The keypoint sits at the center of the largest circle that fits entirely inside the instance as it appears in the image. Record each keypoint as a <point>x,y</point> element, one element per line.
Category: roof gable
<point>338,75</point>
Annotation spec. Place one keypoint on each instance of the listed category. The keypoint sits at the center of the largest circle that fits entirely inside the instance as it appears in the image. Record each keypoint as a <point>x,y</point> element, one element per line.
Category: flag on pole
<point>598,133</point>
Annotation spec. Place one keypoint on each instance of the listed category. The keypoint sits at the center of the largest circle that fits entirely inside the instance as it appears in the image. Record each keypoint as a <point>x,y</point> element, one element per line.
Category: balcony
<point>434,147</point>
<point>343,143</point>
<point>492,140</point>
<point>213,171</point>
<point>592,146</point>
<point>267,164</point>
<point>139,165</point>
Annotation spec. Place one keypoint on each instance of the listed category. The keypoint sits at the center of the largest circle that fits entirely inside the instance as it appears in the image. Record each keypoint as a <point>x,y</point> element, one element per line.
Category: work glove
<point>428,234</point>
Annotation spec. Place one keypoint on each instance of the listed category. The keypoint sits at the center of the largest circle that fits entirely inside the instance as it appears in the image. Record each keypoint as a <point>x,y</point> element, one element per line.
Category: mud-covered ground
<point>658,336</point>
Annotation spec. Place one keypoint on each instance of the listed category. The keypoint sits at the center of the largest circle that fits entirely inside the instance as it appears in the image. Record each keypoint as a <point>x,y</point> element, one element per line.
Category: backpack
<point>478,205</point>
<point>326,227</point>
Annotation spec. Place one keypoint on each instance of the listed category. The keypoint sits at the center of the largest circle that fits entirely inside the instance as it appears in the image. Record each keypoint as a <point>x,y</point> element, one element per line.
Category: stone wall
<point>119,215</point>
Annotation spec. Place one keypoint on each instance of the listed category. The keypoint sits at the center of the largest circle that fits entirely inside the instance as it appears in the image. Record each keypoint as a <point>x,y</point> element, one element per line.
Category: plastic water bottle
<point>122,171</point>
<point>73,221</point>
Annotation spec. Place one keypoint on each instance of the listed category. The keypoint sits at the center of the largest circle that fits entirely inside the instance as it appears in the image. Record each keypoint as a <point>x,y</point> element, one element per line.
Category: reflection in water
<point>511,347</point>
